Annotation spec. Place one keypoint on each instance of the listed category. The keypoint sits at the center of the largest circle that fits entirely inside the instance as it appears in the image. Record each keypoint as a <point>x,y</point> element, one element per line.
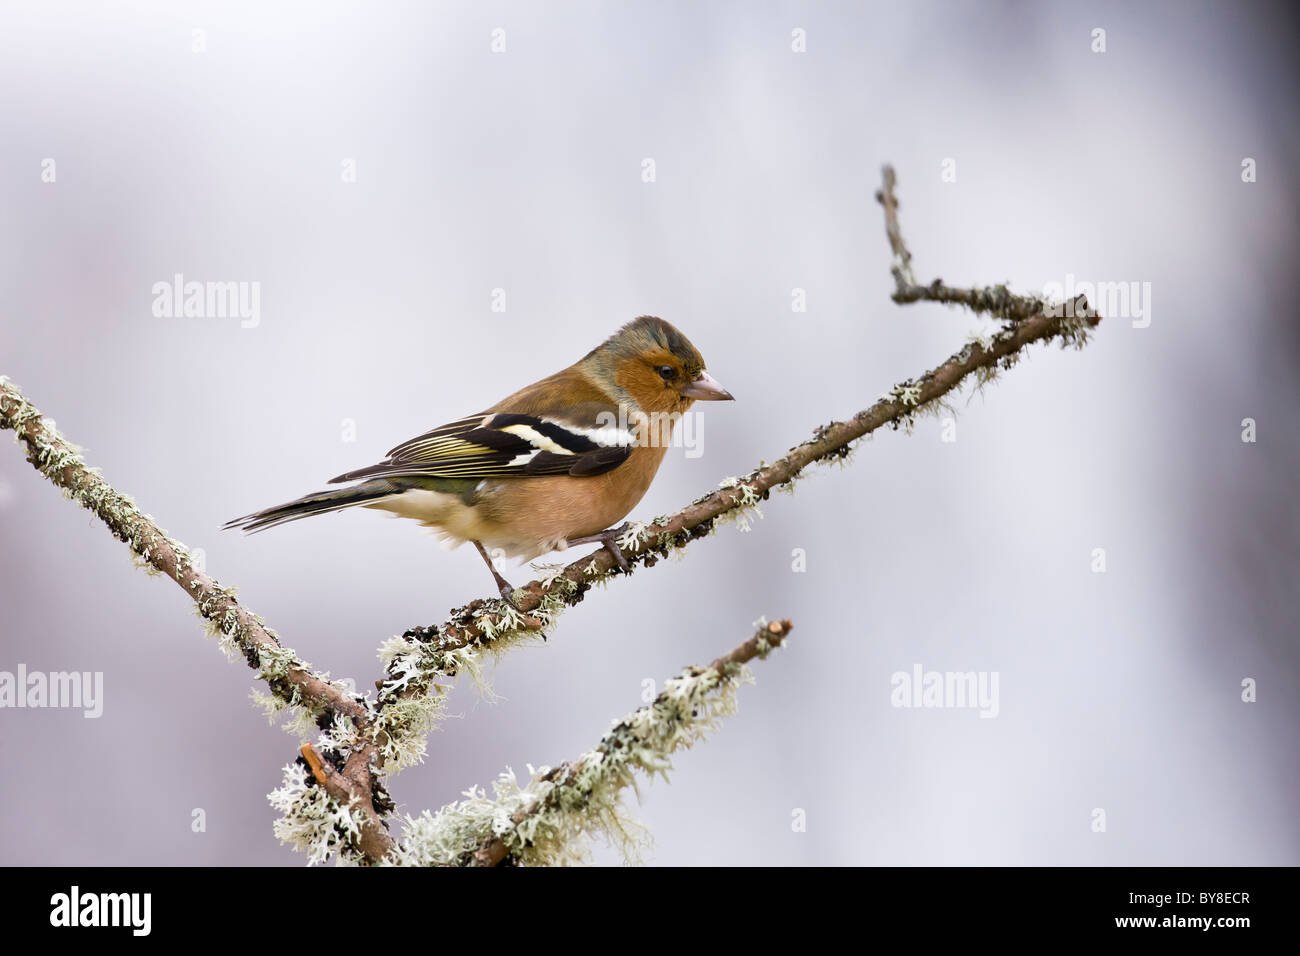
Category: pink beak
<point>706,389</point>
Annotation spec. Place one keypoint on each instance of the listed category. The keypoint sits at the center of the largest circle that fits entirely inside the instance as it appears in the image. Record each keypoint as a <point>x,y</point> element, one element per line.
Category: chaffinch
<point>555,464</point>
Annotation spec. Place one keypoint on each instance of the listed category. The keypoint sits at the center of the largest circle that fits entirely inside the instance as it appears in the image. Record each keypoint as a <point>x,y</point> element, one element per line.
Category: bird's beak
<point>706,389</point>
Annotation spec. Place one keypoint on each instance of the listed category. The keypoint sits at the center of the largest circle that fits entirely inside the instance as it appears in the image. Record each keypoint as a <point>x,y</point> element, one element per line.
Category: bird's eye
<point>667,372</point>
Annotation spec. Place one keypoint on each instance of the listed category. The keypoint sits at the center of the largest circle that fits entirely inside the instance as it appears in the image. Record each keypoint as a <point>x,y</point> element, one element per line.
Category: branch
<point>997,301</point>
<point>542,822</point>
<point>353,791</point>
<point>290,679</point>
<point>902,267</point>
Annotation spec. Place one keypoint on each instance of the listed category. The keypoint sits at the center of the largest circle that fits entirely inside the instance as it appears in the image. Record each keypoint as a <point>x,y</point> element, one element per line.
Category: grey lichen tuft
<point>298,720</point>
<point>403,728</point>
<point>1076,329</point>
<point>907,392</point>
<point>635,536</point>
<point>546,822</point>
<point>743,508</point>
<point>312,821</point>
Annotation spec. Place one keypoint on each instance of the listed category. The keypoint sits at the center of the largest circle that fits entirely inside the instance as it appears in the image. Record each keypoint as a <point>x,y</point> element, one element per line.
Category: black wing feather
<point>501,445</point>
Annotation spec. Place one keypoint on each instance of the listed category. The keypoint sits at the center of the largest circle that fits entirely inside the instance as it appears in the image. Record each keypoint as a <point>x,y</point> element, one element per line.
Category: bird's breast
<point>529,516</point>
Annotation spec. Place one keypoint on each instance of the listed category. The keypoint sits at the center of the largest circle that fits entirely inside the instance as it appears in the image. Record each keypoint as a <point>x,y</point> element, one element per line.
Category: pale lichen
<point>411,699</point>
<point>906,392</point>
<point>403,728</point>
<point>546,822</point>
<point>298,720</point>
<point>744,505</point>
<point>312,821</point>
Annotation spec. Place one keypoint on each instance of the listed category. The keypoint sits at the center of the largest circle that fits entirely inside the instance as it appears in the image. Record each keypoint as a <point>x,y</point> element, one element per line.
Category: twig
<point>568,789</point>
<point>902,267</point>
<point>355,793</point>
<point>997,301</point>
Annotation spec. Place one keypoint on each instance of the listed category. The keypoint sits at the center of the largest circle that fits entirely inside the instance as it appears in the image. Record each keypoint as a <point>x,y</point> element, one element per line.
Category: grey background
<point>521,170</point>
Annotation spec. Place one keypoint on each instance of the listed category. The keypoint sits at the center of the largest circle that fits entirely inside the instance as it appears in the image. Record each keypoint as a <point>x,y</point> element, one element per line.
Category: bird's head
<point>655,365</point>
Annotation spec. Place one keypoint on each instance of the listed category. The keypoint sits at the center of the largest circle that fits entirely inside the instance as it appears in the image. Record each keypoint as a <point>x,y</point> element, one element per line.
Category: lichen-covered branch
<point>544,822</point>
<point>238,630</point>
<point>996,301</point>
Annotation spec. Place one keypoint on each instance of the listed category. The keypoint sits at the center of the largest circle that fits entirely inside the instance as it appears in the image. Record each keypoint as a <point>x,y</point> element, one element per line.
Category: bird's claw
<point>615,552</point>
<point>609,539</point>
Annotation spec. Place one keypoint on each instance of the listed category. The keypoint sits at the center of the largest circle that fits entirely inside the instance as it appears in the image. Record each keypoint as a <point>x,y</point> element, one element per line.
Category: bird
<point>556,464</point>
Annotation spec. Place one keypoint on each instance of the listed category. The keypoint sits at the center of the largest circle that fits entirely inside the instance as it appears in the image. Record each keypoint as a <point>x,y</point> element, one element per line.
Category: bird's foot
<point>615,552</point>
<point>608,538</point>
<point>503,586</point>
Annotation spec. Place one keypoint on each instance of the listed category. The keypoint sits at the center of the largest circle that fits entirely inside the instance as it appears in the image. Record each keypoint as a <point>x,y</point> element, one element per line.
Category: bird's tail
<point>316,504</point>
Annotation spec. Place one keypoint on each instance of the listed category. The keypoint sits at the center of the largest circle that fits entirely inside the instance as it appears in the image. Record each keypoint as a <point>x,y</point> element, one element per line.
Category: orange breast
<point>520,515</point>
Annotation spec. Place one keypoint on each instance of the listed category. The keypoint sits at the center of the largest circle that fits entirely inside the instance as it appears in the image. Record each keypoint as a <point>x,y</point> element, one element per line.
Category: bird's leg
<point>608,538</point>
<point>502,584</point>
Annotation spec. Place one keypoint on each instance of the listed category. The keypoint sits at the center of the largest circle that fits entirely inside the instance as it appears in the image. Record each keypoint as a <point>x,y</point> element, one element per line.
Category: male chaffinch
<point>555,464</point>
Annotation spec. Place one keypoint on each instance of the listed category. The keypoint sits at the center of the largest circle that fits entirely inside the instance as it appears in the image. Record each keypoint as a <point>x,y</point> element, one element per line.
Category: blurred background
<point>387,177</point>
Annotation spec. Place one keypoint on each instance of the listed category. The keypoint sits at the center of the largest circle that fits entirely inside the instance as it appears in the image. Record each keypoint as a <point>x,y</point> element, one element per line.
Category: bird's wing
<point>503,444</point>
